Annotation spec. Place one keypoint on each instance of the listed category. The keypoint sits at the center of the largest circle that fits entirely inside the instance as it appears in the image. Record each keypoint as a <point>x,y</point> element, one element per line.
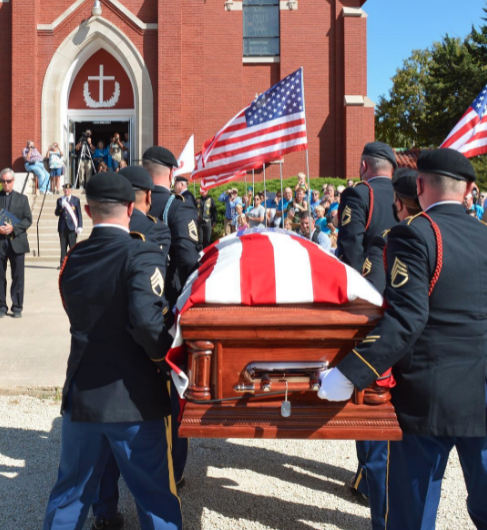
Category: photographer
<point>34,163</point>
<point>116,149</point>
<point>470,203</point>
<point>55,156</point>
<point>85,162</point>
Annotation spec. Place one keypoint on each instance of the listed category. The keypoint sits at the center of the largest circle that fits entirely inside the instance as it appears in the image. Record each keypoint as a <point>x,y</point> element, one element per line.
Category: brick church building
<point>162,70</point>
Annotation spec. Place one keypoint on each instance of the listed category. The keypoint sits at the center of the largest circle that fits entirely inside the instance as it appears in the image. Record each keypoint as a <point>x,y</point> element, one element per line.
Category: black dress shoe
<point>17,314</point>
<point>101,523</point>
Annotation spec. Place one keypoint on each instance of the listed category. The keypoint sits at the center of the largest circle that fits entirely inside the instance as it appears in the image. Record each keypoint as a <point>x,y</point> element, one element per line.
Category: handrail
<point>38,219</point>
<point>25,181</point>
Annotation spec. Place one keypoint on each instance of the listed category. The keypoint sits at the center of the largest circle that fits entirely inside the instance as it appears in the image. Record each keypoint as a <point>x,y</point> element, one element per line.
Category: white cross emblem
<point>101,78</point>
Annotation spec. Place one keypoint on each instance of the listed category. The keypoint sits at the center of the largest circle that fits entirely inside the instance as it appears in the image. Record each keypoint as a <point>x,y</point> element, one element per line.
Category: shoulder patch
<point>137,235</point>
<point>367,267</point>
<point>152,218</point>
<point>399,274</point>
<point>346,216</point>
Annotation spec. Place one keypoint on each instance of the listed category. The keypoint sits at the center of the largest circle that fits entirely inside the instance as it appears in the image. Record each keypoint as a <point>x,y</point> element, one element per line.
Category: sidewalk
<point>34,349</point>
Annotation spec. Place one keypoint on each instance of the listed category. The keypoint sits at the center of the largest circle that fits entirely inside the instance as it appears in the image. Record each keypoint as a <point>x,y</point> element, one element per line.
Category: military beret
<point>109,187</point>
<point>447,162</point>
<point>380,150</point>
<point>404,182</point>
<point>138,176</point>
<point>160,155</point>
<point>181,179</point>
<point>67,186</point>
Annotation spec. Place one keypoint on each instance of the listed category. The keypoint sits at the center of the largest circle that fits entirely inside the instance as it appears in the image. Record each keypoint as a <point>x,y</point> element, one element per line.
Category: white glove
<point>79,230</point>
<point>335,386</point>
<point>64,203</point>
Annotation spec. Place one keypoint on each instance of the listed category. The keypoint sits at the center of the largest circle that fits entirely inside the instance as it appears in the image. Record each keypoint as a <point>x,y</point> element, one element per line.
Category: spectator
<point>13,243</point>
<point>116,150</point>
<point>206,217</point>
<point>350,183</point>
<point>55,156</point>
<point>240,219</point>
<point>121,165</point>
<point>248,201</point>
<point>34,163</point>
<point>469,203</point>
<point>231,199</point>
<point>483,196</point>
<point>288,225</point>
<point>307,225</point>
<point>299,206</point>
<point>102,168</point>
<point>282,208</point>
<point>315,201</point>
<point>100,155</point>
<point>257,214</point>
<point>301,184</point>
<point>321,221</point>
<point>86,149</point>
<point>126,145</point>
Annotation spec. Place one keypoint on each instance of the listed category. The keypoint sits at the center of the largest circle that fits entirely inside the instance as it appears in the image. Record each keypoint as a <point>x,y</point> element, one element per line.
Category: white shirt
<point>112,225</point>
<point>441,202</point>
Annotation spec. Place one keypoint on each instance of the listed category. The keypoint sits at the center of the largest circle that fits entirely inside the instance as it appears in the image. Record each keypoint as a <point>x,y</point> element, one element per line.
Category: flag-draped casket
<point>266,312</point>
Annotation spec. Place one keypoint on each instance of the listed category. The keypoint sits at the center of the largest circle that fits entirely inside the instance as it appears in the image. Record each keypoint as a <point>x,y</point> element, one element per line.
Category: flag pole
<point>309,190</point>
<point>265,200</point>
<point>282,195</point>
<point>253,187</point>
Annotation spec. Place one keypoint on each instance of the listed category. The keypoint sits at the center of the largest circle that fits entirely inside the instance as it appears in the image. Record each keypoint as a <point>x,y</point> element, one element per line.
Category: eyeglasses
<point>6,181</point>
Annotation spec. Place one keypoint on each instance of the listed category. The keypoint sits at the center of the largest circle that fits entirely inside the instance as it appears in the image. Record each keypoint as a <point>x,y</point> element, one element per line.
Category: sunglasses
<point>6,181</point>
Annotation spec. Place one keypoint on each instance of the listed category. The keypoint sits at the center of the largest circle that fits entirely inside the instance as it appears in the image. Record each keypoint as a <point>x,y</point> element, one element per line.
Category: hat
<point>404,182</point>
<point>181,179</point>
<point>380,150</point>
<point>109,187</point>
<point>138,176</point>
<point>160,155</point>
<point>67,186</point>
<point>447,162</point>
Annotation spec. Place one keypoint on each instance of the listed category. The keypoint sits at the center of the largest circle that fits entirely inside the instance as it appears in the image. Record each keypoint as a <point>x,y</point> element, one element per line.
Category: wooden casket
<point>249,354</point>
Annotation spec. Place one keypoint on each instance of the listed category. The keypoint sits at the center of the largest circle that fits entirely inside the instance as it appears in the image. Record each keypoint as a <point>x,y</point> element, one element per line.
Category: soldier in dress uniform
<point>114,396</point>
<point>105,506</point>
<point>371,476</point>
<point>70,224</point>
<point>434,335</point>
<point>181,187</point>
<point>182,219</point>
<point>206,217</point>
<point>366,209</point>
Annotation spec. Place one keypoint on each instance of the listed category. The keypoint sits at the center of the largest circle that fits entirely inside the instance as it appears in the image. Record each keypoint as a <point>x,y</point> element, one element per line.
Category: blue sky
<point>396,27</point>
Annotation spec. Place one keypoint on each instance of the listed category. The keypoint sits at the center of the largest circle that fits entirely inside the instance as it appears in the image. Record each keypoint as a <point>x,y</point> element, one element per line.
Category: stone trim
<point>354,101</point>
<point>354,12</point>
<point>230,5</point>
<point>260,60</point>
<point>288,5</point>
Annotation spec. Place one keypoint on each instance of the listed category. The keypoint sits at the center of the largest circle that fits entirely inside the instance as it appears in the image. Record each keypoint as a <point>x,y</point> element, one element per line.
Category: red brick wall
<point>6,83</point>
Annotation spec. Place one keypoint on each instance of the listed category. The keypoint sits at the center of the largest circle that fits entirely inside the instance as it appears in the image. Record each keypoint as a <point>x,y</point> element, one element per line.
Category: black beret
<point>447,162</point>
<point>181,179</point>
<point>160,155</point>
<point>380,150</point>
<point>404,182</point>
<point>67,186</point>
<point>109,187</point>
<point>138,176</point>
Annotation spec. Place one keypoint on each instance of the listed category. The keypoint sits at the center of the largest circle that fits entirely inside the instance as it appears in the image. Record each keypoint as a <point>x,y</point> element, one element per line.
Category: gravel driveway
<point>231,484</point>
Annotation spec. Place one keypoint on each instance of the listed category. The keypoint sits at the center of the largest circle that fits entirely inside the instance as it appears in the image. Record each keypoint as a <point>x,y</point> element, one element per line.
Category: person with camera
<point>35,164</point>
<point>231,199</point>
<point>85,162</point>
<point>55,156</point>
<point>116,150</point>
<point>471,203</point>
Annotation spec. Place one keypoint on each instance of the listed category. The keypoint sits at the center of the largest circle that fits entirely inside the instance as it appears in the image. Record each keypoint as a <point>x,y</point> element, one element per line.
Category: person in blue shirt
<point>100,154</point>
<point>283,206</point>
<point>231,199</point>
<point>470,205</point>
<point>315,201</point>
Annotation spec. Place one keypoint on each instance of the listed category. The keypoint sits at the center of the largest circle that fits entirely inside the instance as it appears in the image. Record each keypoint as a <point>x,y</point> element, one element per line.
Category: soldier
<point>181,187</point>
<point>182,219</point>
<point>206,217</point>
<point>70,224</point>
<point>433,334</point>
<point>370,478</point>
<point>366,210</point>
<point>114,396</point>
<point>105,506</point>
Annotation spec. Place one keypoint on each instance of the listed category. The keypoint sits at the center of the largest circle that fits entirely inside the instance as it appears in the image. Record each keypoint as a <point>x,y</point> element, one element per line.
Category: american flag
<point>273,125</point>
<point>469,136</point>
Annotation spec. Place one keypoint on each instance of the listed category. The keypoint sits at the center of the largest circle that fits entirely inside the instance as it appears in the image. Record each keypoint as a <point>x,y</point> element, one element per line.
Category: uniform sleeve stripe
<point>363,360</point>
<point>158,360</point>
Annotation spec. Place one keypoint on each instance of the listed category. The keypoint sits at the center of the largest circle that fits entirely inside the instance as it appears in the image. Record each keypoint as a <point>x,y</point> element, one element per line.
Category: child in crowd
<point>240,220</point>
<point>288,225</point>
<point>301,184</point>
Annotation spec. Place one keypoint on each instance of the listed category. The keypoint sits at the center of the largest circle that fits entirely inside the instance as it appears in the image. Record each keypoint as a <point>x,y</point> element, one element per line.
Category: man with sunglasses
<point>13,242</point>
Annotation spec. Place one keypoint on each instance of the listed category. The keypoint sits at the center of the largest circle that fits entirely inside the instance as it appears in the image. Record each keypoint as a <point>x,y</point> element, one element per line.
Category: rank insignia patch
<point>367,267</point>
<point>193,231</point>
<point>157,282</point>
<point>399,274</point>
<point>346,215</point>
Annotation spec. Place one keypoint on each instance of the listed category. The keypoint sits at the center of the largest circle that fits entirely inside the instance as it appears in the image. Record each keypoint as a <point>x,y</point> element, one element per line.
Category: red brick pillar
<point>26,122</point>
<point>169,74</point>
<point>358,109</point>
<point>6,83</point>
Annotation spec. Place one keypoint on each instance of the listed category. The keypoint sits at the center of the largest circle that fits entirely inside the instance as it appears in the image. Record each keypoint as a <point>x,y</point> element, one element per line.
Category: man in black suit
<point>434,335</point>
<point>13,244</point>
<point>70,224</point>
<point>115,395</point>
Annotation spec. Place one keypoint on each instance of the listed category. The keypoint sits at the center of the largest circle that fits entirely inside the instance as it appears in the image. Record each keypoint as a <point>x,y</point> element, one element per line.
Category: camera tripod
<point>84,152</point>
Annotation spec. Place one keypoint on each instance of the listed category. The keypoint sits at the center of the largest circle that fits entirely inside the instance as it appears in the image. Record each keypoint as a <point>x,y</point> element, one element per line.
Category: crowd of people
<point>398,228</point>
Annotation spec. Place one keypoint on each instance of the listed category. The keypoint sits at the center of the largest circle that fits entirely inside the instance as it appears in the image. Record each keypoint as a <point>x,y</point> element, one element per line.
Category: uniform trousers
<point>371,478</point>
<point>105,504</point>
<point>204,232</point>
<point>416,468</point>
<point>17,266</point>
<point>66,238</point>
<point>142,450</point>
